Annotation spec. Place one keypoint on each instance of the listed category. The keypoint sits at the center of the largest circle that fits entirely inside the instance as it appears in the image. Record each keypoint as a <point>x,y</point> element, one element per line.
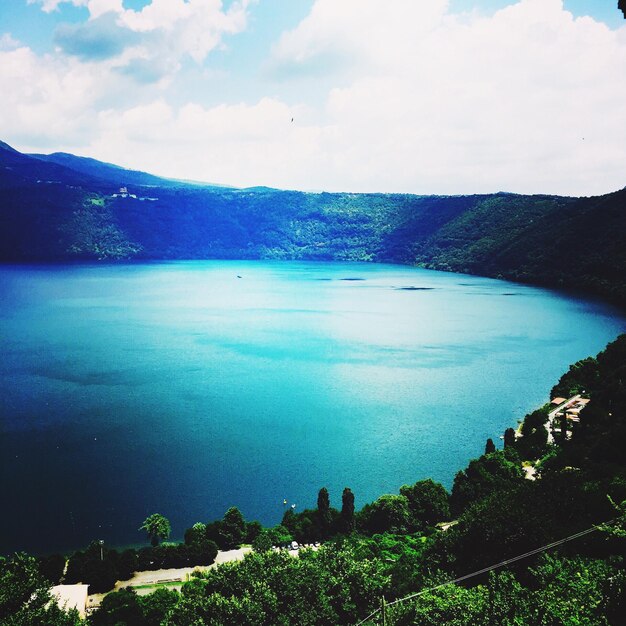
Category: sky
<point>411,96</point>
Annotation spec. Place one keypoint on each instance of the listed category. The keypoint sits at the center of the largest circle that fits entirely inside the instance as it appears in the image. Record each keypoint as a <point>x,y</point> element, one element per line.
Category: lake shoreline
<point>415,344</point>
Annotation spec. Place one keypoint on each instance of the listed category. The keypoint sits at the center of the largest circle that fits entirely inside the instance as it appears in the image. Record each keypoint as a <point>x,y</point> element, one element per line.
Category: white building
<point>71,597</point>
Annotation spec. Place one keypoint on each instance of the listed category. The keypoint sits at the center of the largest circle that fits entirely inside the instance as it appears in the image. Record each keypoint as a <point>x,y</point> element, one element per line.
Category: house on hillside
<point>123,193</point>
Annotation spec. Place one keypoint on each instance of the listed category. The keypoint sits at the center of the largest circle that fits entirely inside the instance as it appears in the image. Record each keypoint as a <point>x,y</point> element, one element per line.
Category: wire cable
<point>484,570</point>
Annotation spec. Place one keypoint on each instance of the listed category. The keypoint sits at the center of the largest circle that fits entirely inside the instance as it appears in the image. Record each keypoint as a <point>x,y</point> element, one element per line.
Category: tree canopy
<point>157,527</point>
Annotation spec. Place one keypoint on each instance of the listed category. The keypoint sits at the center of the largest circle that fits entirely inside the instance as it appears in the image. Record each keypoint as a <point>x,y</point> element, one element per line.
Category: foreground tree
<point>25,596</point>
<point>490,446</point>
<point>157,527</point>
<point>331,586</point>
<point>120,607</point>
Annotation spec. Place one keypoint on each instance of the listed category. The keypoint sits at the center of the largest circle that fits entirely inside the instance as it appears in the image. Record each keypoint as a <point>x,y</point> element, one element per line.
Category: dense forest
<point>568,523</point>
<point>62,208</point>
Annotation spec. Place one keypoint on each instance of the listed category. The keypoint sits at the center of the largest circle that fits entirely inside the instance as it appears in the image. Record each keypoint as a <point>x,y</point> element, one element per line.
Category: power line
<point>549,546</point>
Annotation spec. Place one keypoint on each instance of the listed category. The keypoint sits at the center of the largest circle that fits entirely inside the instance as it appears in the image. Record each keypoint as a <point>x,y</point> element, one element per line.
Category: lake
<point>187,387</point>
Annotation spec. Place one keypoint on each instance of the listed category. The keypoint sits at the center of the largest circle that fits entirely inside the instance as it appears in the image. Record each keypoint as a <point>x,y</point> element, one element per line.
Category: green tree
<point>157,527</point>
<point>580,377</point>
<point>533,442</point>
<point>280,535</point>
<point>347,509</point>
<point>617,527</point>
<point>200,549</point>
<point>428,503</point>
<point>25,596</point>
<point>323,503</point>
<point>577,591</point>
<point>451,605</point>
<point>96,566</point>
<point>323,512</point>
<point>269,537</point>
<point>158,605</point>
<point>253,529</point>
<point>52,567</point>
<point>119,608</point>
<point>389,513</point>
<point>262,542</point>
<point>498,470</point>
<point>233,527</point>
<point>509,438</point>
<point>195,535</point>
<point>490,446</point>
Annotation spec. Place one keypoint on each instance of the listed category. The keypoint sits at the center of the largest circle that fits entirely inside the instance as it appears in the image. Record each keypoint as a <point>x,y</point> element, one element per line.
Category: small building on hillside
<point>123,193</point>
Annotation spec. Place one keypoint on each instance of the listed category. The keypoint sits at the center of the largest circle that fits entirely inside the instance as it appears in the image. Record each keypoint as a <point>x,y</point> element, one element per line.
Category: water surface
<point>184,388</point>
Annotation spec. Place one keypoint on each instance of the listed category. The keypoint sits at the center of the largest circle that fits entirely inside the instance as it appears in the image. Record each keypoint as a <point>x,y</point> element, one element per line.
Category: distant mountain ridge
<point>99,169</point>
<point>60,207</point>
<point>111,172</point>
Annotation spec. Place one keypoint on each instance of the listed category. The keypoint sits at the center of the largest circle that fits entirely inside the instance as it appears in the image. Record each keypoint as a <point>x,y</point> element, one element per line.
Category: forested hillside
<point>63,208</point>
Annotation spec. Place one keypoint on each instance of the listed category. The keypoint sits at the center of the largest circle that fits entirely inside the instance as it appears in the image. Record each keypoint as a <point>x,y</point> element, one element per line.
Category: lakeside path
<point>144,582</point>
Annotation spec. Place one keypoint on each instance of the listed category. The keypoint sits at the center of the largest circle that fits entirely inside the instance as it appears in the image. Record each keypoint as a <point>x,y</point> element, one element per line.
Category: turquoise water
<point>183,389</point>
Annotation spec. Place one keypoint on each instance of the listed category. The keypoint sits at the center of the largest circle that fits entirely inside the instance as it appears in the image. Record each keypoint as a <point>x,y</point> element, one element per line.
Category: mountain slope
<point>17,169</point>
<point>51,211</point>
<point>98,169</point>
<point>113,174</point>
<point>574,243</point>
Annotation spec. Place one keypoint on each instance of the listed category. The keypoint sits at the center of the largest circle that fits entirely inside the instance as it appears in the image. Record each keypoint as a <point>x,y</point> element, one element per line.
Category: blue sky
<point>444,96</point>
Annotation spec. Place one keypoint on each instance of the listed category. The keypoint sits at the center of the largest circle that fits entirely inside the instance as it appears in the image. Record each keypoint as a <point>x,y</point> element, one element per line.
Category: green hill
<point>61,207</point>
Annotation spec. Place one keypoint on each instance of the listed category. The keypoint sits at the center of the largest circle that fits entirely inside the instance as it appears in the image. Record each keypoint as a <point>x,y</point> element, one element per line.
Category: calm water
<point>184,389</point>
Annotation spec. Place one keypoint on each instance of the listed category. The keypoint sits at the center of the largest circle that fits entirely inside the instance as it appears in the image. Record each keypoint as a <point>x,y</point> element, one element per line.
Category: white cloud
<point>364,35</point>
<point>238,144</point>
<point>166,30</point>
<point>52,5</point>
<point>45,100</point>
<point>528,100</point>
<point>102,7</point>
<point>54,99</point>
<point>441,104</point>
<point>8,42</point>
<point>193,27</point>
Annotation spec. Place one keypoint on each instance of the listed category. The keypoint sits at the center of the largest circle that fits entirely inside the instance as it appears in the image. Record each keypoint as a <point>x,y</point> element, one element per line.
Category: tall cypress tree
<point>509,437</point>
<point>323,511</point>
<point>490,446</point>
<point>323,502</point>
<point>347,509</point>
